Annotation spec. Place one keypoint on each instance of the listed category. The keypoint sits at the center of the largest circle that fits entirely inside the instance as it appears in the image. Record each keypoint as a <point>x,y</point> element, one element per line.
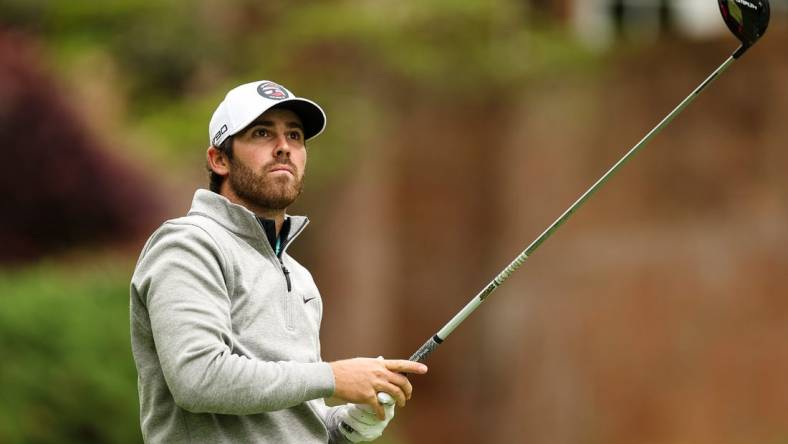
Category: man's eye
<point>262,132</point>
<point>295,135</point>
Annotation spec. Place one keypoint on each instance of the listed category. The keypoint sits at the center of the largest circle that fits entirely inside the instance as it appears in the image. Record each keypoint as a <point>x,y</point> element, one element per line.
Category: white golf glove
<point>363,420</point>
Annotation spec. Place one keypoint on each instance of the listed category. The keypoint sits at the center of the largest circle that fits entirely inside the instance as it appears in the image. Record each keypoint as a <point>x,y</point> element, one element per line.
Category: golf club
<point>748,20</point>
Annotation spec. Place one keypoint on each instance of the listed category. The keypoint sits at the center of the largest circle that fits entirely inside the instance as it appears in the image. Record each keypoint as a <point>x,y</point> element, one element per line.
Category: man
<point>224,323</point>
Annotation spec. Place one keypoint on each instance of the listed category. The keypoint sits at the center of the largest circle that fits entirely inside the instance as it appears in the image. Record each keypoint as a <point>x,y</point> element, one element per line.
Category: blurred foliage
<point>175,59</point>
<point>68,375</point>
<point>94,197</point>
<point>451,45</point>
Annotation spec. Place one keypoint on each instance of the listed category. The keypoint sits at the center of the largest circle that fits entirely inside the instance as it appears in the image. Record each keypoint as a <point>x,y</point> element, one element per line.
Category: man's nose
<point>282,146</point>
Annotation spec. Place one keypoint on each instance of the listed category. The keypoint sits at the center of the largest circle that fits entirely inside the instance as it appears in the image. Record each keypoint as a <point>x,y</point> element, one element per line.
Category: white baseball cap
<point>247,102</point>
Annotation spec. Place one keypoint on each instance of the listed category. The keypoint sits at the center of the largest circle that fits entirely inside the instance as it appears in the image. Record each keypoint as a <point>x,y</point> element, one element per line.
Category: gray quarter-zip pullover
<point>225,336</point>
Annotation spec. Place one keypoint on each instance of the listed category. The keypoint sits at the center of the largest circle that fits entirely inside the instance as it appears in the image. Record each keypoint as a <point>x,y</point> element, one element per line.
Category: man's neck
<point>278,216</point>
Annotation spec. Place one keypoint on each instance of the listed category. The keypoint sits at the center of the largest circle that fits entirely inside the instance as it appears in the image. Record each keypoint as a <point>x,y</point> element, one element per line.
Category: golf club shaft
<point>432,343</point>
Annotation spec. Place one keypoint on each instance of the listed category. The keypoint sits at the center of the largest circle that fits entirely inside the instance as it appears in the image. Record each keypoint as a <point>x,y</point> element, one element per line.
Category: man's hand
<point>358,380</point>
<point>362,421</point>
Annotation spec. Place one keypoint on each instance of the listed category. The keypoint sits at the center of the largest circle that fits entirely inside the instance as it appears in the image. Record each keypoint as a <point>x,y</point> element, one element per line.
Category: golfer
<point>224,323</point>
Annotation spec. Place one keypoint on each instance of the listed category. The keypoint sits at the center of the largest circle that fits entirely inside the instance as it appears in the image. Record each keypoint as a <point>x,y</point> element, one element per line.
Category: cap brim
<point>312,116</point>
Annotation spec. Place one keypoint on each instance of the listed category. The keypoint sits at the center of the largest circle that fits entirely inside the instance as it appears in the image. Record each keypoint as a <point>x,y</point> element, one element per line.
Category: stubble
<point>275,192</point>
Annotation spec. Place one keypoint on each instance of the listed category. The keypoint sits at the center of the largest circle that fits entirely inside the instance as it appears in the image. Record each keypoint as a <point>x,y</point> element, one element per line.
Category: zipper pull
<point>287,277</point>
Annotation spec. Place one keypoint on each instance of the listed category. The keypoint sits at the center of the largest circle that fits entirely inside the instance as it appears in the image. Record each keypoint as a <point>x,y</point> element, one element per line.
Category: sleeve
<point>181,280</point>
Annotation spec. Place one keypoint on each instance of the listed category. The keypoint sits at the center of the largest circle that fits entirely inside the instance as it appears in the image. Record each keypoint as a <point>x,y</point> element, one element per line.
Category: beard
<point>264,190</point>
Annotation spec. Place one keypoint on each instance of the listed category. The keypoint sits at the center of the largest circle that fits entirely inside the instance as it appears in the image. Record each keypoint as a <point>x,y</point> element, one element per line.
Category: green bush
<point>67,373</point>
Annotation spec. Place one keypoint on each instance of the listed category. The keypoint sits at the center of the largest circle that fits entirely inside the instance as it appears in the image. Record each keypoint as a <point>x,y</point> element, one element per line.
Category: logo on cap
<point>271,90</point>
<point>219,134</point>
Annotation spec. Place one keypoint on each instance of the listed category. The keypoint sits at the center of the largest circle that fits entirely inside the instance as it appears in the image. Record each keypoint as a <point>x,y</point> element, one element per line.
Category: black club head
<point>747,19</point>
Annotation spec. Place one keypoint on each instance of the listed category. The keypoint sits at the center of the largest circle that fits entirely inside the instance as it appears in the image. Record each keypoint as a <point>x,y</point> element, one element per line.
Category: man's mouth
<point>282,168</point>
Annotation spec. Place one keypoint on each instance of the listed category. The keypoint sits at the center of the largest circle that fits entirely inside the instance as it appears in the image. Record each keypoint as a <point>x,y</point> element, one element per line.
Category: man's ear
<point>217,161</point>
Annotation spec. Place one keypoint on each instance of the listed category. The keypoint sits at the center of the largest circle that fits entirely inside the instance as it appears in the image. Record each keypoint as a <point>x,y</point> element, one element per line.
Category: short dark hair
<point>215,180</point>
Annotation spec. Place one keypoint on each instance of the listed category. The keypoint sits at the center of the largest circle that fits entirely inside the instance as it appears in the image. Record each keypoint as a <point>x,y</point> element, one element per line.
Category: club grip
<point>425,350</point>
<point>420,356</point>
<point>383,398</point>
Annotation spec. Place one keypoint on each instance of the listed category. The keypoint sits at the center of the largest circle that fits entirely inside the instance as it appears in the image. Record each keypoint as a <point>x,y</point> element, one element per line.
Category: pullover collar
<point>269,226</point>
<point>242,222</point>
